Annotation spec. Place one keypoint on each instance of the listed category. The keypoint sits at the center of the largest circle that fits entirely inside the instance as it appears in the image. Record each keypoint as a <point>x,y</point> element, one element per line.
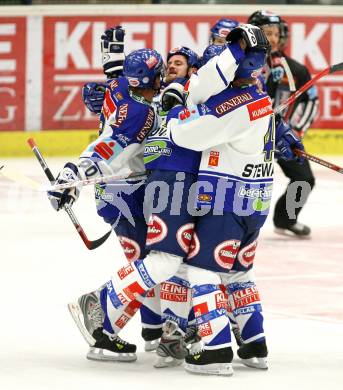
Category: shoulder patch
<point>260,108</point>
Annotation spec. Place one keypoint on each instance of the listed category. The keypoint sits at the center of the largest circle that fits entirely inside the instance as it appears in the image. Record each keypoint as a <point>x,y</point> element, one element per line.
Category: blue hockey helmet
<point>212,51</point>
<point>222,28</point>
<point>141,67</point>
<point>252,64</point>
<point>191,56</point>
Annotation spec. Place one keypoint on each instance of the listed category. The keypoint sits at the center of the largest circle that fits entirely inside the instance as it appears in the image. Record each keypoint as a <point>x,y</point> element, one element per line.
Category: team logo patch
<point>247,254</point>
<point>109,107</point>
<point>200,309</point>
<point>260,108</point>
<point>151,62</point>
<point>223,32</point>
<point>133,81</point>
<point>222,300</point>
<point>194,247</point>
<point>125,271</point>
<point>184,236</point>
<point>187,115</point>
<point>133,290</point>
<point>119,96</point>
<point>205,329</point>
<point>246,296</point>
<point>132,308</point>
<point>122,321</point>
<point>157,230</point>
<point>114,84</point>
<point>213,160</point>
<point>173,292</point>
<point>105,150</point>
<point>225,253</point>
<point>131,248</point>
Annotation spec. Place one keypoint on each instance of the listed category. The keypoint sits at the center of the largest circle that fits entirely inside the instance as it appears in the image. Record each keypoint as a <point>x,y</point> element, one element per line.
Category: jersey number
<point>269,140</point>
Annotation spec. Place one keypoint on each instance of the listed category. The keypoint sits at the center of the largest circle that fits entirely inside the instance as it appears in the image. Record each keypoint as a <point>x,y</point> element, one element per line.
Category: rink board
<point>73,142</point>
<point>40,84</point>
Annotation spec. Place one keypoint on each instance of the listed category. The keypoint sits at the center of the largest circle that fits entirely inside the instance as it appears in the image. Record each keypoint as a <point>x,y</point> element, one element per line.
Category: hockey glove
<point>173,95</point>
<point>93,95</point>
<point>112,49</point>
<point>68,196</point>
<point>286,140</point>
<point>253,36</point>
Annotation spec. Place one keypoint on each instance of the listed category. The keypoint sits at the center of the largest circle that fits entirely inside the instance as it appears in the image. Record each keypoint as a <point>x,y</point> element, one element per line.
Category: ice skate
<point>254,355</point>
<point>111,348</point>
<point>211,362</point>
<point>151,337</point>
<point>297,230</point>
<point>89,316</point>
<point>172,348</point>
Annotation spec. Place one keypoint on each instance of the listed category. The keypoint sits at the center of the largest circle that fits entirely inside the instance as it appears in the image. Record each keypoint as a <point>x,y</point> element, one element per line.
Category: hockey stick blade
<point>89,244</point>
<point>318,160</point>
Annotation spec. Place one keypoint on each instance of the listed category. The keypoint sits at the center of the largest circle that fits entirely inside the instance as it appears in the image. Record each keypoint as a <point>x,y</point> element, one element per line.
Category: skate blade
<point>99,354</point>
<point>221,369</point>
<point>167,361</point>
<point>289,234</point>
<point>151,346</point>
<point>76,313</point>
<point>259,363</point>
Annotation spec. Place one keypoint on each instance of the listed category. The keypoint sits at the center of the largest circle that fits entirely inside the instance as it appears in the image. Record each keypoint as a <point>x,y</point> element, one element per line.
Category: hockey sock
<point>211,317</point>
<point>151,309</point>
<point>247,310</point>
<point>140,276</point>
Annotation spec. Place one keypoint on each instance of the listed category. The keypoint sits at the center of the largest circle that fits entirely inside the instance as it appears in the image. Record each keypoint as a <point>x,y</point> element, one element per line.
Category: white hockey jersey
<point>235,132</point>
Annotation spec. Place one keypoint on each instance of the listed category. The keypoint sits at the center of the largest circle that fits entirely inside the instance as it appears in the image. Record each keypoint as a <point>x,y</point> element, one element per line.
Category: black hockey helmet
<point>262,17</point>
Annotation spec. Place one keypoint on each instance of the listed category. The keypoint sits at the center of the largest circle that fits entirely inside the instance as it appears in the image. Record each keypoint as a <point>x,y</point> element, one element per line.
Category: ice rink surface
<point>44,265</point>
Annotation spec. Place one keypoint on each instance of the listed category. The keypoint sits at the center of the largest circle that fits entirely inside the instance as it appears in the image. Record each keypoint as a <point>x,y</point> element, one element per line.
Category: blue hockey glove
<point>285,141</point>
<point>112,49</point>
<point>93,95</point>
<point>68,196</point>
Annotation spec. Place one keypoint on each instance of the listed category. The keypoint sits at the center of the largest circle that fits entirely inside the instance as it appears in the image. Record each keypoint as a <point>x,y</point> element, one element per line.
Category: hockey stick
<point>89,244</point>
<point>305,87</point>
<point>100,179</point>
<point>318,160</point>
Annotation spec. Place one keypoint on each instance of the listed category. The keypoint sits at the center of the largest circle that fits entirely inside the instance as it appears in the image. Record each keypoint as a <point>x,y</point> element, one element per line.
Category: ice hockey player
<point>121,205</point>
<point>175,293</point>
<point>121,145</point>
<point>235,184</point>
<point>300,116</point>
<point>169,229</point>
